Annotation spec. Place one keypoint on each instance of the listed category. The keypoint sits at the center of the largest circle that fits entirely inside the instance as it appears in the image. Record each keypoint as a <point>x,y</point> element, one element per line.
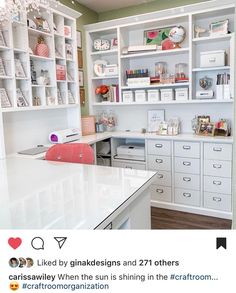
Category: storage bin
<point>212,58</point>
<point>127,96</point>
<point>181,94</point>
<point>153,95</point>
<point>167,95</point>
<point>140,96</point>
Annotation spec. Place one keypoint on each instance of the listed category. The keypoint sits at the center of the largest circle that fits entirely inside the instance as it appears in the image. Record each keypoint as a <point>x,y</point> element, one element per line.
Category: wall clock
<point>101,45</point>
<point>99,67</point>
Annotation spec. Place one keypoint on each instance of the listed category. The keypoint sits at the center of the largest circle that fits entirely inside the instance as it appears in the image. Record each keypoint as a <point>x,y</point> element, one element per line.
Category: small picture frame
<point>19,70</point>
<point>207,129</point>
<point>80,59</point>
<point>79,39</point>
<point>155,117</point>
<point>82,96</point>
<point>2,40</point>
<point>203,119</point>
<point>159,37</point>
<point>219,28</point>
<point>114,43</point>
<point>71,99</point>
<point>5,101</point>
<point>81,78</point>
<point>21,100</point>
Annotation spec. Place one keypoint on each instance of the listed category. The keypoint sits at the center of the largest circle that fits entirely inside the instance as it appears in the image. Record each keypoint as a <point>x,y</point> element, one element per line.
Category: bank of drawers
<point>128,165</point>
<point>187,173</point>
<point>159,159</point>
<point>217,176</point>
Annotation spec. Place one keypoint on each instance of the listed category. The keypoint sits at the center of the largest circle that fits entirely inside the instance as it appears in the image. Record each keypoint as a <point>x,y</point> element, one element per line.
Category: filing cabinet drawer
<point>217,168</point>
<point>187,197</point>
<point>217,184</point>
<point>163,178</point>
<point>187,181</point>
<point>159,147</point>
<point>187,165</point>
<point>160,193</point>
<point>187,149</point>
<point>159,163</point>
<point>217,201</point>
<point>216,151</point>
<point>129,165</point>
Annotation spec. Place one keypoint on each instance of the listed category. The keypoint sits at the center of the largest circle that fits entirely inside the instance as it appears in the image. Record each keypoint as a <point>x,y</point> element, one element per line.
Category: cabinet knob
<point>217,182</point>
<point>186,179</point>
<point>187,163</point>
<point>159,161</point>
<point>160,176</point>
<point>159,190</point>
<point>217,149</point>
<point>186,147</point>
<point>187,194</point>
<point>217,199</point>
<point>158,145</point>
<point>217,166</point>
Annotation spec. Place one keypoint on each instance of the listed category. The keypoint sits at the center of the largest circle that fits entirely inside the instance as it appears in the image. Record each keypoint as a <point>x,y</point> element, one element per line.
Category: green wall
<point>88,16</point>
<point>144,8</point>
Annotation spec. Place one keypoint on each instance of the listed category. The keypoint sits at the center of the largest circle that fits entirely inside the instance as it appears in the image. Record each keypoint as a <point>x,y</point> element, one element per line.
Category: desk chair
<point>71,153</point>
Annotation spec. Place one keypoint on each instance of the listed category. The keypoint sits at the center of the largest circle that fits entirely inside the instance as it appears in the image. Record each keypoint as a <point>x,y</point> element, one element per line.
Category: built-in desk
<point>37,194</point>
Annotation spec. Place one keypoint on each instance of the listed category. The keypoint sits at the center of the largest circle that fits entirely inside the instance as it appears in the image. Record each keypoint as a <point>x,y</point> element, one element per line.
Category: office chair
<point>71,153</point>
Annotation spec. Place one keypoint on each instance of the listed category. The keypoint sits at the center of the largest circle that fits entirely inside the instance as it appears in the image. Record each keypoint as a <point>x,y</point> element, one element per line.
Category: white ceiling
<point>106,5</point>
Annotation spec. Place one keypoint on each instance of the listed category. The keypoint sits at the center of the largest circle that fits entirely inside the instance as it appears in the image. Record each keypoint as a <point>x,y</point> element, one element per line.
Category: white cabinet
<point>217,151</point>
<point>187,149</point>
<point>187,181</point>
<point>160,193</point>
<point>187,165</point>
<point>159,147</point>
<point>159,163</point>
<point>187,197</point>
<point>217,201</point>
<point>129,165</point>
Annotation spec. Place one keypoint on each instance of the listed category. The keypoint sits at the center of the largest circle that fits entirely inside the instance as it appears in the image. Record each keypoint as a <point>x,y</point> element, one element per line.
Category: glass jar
<point>181,72</point>
<point>160,68</point>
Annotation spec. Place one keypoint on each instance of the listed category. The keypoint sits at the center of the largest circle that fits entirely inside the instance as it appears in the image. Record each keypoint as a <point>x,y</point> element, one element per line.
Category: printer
<point>131,152</point>
<point>64,136</point>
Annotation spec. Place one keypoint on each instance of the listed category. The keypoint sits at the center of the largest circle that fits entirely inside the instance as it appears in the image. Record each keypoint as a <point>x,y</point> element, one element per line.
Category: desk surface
<point>37,194</point>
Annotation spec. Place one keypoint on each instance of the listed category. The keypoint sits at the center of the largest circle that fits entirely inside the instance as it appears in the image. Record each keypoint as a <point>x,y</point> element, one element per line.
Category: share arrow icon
<point>61,241</point>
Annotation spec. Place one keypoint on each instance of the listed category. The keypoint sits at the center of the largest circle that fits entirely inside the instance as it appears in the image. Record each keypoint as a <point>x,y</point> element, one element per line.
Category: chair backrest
<point>72,153</point>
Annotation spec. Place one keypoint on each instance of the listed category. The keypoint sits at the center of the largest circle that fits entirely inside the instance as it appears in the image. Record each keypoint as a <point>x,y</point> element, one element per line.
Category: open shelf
<point>154,53</point>
<point>105,77</point>
<point>212,39</point>
<point>38,32</point>
<point>180,84</point>
<point>33,108</point>
<point>211,68</point>
<point>108,52</point>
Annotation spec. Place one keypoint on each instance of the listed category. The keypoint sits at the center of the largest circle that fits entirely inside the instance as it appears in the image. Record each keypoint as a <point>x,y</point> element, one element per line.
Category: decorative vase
<point>41,48</point>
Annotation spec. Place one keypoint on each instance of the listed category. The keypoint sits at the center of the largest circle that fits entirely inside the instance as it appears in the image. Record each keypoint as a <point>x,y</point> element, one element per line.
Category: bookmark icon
<point>61,241</point>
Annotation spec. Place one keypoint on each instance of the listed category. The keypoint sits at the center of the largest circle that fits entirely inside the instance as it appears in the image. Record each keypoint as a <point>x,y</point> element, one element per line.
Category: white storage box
<point>127,96</point>
<point>212,58</point>
<point>131,151</point>
<point>167,95</point>
<point>153,95</point>
<point>181,94</point>
<point>140,96</point>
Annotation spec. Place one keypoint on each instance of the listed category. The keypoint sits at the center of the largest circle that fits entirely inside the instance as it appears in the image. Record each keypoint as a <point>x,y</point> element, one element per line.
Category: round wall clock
<point>99,67</point>
<point>101,45</point>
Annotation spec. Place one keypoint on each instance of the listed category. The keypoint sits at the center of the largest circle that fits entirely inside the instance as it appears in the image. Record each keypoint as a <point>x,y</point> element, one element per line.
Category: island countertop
<point>37,194</point>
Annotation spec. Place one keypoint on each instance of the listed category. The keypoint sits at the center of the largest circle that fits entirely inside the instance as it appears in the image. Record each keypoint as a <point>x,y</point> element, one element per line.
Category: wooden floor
<point>168,219</point>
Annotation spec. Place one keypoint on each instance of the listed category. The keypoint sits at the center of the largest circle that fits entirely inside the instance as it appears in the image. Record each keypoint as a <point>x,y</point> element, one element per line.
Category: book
<point>69,51</point>
<point>5,101</point>
<point>19,70</point>
<point>21,100</point>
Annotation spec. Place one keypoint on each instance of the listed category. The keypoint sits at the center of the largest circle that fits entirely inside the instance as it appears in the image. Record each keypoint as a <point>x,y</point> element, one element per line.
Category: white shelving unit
<point>21,41</point>
<point>130,31</point>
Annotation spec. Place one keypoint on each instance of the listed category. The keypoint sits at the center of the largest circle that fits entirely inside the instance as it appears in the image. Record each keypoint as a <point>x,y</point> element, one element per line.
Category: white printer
<point>63,136</point>
<point>131,152</point>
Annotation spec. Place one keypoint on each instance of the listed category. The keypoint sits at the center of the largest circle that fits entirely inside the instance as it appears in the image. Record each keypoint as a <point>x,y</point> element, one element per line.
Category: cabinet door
<point>129,165</point>
<point>160,193</point>
<point>217,201</point>
<point>187,165</point>
<point>187,149</point>
<point>217,184</point>
<point>216,151</point>
<point>159,163</point>
<point>159,147</point>
<point>187,181</point>
<point>217,168</point>
<point>163,178</point>
<point>187,197</point>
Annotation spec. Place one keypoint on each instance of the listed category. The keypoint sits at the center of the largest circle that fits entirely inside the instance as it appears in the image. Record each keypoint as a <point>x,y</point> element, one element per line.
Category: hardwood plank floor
<point>169,219</point>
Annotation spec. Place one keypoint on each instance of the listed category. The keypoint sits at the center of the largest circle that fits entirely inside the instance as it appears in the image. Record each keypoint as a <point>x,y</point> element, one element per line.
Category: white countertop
<point>37,194</point>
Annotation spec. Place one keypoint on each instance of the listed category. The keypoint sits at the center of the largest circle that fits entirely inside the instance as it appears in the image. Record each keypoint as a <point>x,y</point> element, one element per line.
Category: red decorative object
<point>41,48</point>
<point>61,72</point>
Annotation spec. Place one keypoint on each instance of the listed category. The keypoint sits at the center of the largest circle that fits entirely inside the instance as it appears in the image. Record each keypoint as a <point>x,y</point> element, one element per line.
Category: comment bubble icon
<point>37,243</point>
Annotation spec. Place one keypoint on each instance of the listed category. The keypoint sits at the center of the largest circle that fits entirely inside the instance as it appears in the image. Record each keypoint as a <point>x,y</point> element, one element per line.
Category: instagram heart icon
<point>14,242</point>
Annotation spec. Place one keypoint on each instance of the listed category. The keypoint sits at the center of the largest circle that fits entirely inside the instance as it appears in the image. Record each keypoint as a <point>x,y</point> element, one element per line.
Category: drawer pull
<point>186,147</point>
<point>187,179</point>
<point>217,149</point>
<point>159,190</point>
<point>158,145</point>
<point>218,199</point>
<point>217,166</point>
<point>186,194</point>
<point>187,163</point>
<point>159,161</point>
<point>128,167</point>
<point>160,176</point>
<point>217,182</point>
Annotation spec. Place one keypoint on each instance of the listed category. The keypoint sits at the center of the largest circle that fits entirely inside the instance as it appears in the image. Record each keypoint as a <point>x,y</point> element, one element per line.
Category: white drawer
<point>217,201</point>
<point>217,168</point>
<point>159,147</point>
<point>187,165</point>
<point>159,163</point>
<point>217,184</point>
<point>187,149</point>
<point>187,181</point>
<point>163,178</point>
<point>160,193</point>
<point>215,151</point>
<point>129,165</point>
<point>187,197</point>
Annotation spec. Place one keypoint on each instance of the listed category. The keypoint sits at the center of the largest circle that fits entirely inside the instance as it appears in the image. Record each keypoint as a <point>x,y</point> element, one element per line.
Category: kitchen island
<point>38,194</point>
